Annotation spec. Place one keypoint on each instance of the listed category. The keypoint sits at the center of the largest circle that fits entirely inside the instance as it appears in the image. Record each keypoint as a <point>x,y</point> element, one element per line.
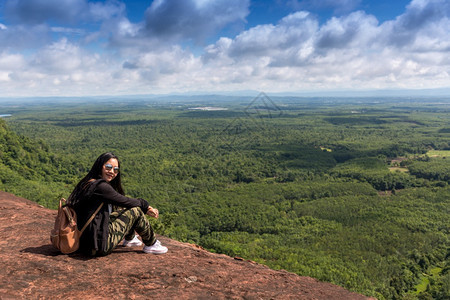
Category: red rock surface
<point>32,269</point>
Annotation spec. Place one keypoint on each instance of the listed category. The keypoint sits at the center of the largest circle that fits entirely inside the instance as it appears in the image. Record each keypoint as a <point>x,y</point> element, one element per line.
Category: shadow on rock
<point>47,250</point>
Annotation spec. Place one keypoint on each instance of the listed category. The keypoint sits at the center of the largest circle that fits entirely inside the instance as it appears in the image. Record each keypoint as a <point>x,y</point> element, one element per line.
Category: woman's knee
<point>137,211</point>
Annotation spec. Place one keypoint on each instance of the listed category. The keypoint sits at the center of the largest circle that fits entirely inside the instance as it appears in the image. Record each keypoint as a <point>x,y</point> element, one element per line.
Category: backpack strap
<point>69,215</point>
<point>91,218</point>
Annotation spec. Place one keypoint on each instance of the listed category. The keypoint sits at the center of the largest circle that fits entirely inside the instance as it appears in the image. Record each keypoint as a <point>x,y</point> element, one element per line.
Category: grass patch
<point>439,153</point>
<point>425,280</point>
<point>325,149</point>
<point>400,169</point>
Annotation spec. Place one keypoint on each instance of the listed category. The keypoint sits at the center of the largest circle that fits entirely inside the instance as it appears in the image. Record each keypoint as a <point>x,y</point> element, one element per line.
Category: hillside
<point>28,168</point>
<point>31,268</point>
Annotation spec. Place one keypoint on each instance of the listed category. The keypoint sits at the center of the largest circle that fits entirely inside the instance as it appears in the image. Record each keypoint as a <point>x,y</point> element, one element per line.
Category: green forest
<point>350,191</point>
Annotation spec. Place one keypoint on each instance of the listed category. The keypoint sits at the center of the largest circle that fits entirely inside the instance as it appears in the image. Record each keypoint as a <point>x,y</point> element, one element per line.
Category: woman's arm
<point>106,192</point>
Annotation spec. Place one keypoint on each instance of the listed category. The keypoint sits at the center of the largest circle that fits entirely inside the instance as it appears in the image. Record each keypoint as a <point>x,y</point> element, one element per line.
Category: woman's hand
<point>153,212</point>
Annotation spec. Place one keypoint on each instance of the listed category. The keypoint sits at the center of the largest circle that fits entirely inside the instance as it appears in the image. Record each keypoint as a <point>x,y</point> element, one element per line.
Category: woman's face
<point>110,169</point>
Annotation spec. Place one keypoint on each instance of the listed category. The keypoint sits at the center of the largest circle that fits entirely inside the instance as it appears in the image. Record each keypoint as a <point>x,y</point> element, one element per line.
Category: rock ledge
<point>32,269</point>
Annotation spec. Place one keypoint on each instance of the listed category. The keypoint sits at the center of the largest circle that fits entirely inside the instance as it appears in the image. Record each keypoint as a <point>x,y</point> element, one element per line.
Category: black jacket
<point>95,236</point>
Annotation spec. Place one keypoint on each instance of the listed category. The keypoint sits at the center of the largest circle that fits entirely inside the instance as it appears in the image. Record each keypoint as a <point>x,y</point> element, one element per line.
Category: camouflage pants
<point>123,222</point>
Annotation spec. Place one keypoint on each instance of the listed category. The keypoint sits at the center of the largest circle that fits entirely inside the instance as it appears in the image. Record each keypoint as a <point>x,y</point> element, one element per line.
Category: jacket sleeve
<point>110,196</point>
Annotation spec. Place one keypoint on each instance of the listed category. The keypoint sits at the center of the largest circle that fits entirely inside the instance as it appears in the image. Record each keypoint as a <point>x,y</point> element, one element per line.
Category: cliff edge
<point>32,269</point>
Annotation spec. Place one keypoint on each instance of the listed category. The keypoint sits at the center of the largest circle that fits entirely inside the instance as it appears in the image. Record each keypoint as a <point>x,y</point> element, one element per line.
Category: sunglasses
<point>109,167</point>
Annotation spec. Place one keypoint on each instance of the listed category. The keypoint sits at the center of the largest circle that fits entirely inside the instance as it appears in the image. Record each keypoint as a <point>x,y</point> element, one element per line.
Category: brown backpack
<point>65,235</point>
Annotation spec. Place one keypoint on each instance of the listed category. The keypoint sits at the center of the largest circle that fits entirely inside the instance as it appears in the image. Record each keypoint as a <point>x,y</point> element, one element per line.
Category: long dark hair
<point>94,174</point>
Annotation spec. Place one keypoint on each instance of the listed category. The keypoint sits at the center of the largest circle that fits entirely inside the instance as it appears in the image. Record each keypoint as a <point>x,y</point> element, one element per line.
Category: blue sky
<point>113,47</point>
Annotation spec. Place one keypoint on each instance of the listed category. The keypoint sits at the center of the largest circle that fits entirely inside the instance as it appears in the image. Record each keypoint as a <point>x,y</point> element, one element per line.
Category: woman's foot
<point>156,248</point>
<point>133,243</point>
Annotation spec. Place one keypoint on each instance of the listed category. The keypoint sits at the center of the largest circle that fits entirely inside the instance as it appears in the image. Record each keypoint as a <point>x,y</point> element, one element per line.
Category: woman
<point>119,216</point>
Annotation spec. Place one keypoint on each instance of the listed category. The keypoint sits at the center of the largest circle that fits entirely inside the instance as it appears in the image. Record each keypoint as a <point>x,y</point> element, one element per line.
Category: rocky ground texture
<point>32,269</point>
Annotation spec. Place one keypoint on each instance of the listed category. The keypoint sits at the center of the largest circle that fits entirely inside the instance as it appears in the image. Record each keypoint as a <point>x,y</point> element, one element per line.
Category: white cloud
<point>163,70</point>
<point>192,19</point>
<point>11,62</point>
<point>285,44</point>
<point>76,31</point>
<point>61,57</point>
<point>355,30</point>
<point>352,50</point>
<point>99,11</point>
<point>19,37</point>
<point>60,68</point>
<point>63,11</point>
<point>338,6</point>
<point>420,19</point>
<point>174,23</point>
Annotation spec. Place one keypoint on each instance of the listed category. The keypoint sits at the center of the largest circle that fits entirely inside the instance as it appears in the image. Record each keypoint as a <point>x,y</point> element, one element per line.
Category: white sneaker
<point>156,248</point>
<point>134,242</point>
